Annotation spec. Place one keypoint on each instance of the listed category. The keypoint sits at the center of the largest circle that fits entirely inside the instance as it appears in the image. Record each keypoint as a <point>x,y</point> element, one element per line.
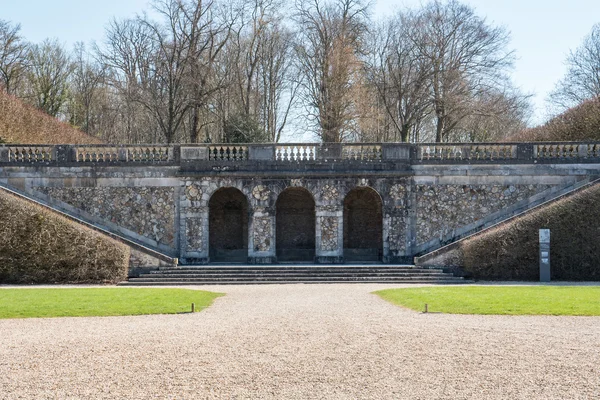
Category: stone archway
<point>363,225</point>
<point>295,225</point>
<point>228,226</point>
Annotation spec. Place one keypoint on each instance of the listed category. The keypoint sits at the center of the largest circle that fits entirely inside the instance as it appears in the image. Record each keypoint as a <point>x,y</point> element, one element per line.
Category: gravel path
<point>301,341</point>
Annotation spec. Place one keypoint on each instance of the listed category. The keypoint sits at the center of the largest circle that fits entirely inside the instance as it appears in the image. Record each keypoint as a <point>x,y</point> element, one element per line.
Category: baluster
<point>285,153</point>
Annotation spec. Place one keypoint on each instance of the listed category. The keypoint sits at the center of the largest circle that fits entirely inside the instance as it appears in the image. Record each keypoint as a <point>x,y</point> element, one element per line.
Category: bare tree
<point>582,80</point>
<point>279,83</point>
<point>127,53</point>
<point>257,67</point>
<point>400,74</point>
<point>329,45</point>
<point>206,29</point>
<point>48,74</point>
<point>466,56</point>
<point>85,82</point>
<point>494,116</point>
<point>13,56</point>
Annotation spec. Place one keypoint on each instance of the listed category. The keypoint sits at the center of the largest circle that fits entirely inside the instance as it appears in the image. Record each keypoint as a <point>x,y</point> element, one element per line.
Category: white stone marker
<point>544,255</point>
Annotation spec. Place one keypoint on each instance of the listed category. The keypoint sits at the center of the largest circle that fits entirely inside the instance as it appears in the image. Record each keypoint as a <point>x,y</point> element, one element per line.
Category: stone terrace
<point>323,203</point>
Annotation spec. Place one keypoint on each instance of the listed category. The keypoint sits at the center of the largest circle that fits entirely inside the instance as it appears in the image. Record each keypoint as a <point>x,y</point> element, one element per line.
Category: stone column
<point>193,224</point>
<point>396,223</point>
<point>261,236</point>
<point>261,226</point>
<point>329,241</point>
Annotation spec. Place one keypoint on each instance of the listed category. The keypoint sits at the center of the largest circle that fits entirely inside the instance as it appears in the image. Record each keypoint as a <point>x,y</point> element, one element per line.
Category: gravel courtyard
<point>301,341</point>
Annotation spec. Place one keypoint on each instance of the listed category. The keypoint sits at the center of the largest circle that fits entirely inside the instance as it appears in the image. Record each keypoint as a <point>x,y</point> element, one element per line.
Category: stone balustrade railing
<point>29,154</point>
<point>476,151</point>
<point>298,153</point>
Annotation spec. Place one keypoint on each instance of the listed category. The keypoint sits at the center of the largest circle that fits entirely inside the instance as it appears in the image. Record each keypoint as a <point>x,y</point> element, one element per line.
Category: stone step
<point>233,274</point>
<point>397,281</point>
<point>297,271</point>
<point>291,275</point>
<point>287,266</point>
<point>296,278</point>
<point>291,269</point>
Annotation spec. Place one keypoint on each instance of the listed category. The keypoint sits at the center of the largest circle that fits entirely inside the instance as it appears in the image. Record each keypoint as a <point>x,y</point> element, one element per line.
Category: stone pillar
<point>329,241</point>
<point>193,224</point>
<point>261,236</point>
<point>397,225</point>
<point>261,222</point>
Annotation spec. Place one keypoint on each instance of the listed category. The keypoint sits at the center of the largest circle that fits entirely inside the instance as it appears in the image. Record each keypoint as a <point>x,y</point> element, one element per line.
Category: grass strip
<point>100,302</point>
<point>499,300</point>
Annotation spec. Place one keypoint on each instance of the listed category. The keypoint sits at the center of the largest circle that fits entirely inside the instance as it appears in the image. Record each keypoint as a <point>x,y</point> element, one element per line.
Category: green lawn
<point>500,300</point>
<point>88,302</point>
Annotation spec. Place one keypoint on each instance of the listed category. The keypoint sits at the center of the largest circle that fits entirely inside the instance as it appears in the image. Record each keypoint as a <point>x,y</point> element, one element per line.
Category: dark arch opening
<point>363,225</point>
<point>295,225</point>
<point>228,226</point>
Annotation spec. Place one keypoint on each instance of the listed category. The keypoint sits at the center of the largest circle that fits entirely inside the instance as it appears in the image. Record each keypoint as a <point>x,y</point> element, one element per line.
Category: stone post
<point>3,154</point>
<point>193,223</point>
<point>544,255</point>
<point>261,236</point>
<point>329,240</point>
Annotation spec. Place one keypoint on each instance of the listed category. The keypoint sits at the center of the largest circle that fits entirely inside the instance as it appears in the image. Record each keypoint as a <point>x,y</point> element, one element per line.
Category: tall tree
<point>330,42</point>
<point>206,28</point>
<point>467,58</point>
<point>86,80</point>
<point>127,55</point>
<point>48,74</point>
<point>582,80</point>
<point>400,74</point>
<point>13,55</point>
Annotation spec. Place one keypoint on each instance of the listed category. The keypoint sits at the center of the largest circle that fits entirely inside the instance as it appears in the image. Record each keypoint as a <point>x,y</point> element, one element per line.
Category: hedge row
<point>510,251</point>
<point>579,123</point>
<point>22,123</point>
<point>40,246</point>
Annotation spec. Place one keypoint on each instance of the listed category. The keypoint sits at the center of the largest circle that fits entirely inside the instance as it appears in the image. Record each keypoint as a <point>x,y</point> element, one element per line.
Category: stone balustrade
<point>305,153</point>
<point>28,154</point>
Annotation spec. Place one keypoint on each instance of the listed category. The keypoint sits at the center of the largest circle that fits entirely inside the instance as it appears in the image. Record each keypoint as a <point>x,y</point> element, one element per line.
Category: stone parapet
<point>303,155</point>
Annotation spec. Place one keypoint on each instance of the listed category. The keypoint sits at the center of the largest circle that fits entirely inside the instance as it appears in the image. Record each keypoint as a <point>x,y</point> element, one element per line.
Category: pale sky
<point>542,31</point>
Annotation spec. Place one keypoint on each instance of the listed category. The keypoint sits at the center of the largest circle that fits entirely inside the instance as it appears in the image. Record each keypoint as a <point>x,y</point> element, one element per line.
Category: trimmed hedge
<point>510,251</point>
<point>579,123</point>
<point>40,246</point>
<point>23,123</point>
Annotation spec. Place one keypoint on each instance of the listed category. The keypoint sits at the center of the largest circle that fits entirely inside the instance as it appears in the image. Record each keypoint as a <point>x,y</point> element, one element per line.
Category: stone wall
<point>147,211</point>
<point>420,206</point>
<point>443,208</point>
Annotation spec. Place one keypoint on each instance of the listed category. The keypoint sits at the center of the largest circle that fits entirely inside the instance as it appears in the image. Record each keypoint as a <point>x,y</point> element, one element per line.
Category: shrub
<point>22,123</point>
<point>41,246</point>
<point>579,123</point>
<point>510,251</point>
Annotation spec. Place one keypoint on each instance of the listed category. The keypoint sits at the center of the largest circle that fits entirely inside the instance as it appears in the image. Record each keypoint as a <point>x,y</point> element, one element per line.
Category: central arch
<point>363,225</point>
<point>295,225</point>
<point>228,226</point>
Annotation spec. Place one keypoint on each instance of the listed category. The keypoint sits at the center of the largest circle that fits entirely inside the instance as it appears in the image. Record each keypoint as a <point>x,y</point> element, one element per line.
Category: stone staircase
<point>229,274</point>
